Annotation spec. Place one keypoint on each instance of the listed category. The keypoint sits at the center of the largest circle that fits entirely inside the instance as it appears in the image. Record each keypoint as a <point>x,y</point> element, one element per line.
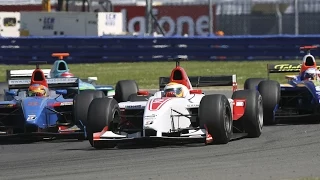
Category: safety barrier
<point>132,49</point>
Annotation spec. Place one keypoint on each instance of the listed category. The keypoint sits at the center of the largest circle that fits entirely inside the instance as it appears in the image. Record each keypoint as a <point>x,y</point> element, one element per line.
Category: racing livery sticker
<point>31,103</point>
<point>157,103</point>
<point>31,117</point>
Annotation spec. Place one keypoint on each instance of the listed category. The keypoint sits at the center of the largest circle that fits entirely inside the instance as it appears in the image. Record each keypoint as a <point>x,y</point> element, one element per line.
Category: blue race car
<point>36,107</point>
<point>60,69</point>
<point>298,98</point>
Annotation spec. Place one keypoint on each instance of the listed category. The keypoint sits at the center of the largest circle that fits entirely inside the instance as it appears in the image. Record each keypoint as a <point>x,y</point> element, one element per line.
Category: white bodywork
<point>163,115</point>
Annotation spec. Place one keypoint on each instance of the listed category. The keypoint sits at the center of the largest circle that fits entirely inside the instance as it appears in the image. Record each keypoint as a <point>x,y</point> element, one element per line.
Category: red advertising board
<point>18,8</point>
<point>174,19</point>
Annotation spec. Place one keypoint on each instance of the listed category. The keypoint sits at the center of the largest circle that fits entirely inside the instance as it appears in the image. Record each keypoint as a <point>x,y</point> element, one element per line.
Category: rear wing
<point>284,68</point>
<point>53,83</point>
<point>204,81</point>
<point>23,74</point>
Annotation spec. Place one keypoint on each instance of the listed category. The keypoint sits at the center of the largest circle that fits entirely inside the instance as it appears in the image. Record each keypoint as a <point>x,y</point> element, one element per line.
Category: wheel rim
<point>260,112</point>
<point>115,116</point>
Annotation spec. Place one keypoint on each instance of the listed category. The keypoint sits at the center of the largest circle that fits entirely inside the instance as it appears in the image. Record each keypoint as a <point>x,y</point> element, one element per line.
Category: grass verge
<point>147,73</point>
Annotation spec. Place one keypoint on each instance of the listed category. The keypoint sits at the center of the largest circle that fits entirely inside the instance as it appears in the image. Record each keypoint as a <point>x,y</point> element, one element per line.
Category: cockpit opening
<point>177,75</point>
<point>309,61</point>
<point>38,76</point>
<point>62,66</point>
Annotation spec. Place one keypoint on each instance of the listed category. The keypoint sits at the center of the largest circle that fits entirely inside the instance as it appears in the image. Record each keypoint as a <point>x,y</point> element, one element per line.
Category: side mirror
<point>143,93</point>
<point>61,91</point>
<point>91,79</point>
<point>196,91</point>
<point>11,93</point>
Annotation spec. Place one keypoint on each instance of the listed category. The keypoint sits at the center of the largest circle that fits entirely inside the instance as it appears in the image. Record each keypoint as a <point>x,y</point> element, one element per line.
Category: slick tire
<point>252,83</point>
<point>81,104</point>
<point>102,112</point>
<point>270,92</point>
<point>215,116</point>
<point>252,120</point>
<point>124,89</point>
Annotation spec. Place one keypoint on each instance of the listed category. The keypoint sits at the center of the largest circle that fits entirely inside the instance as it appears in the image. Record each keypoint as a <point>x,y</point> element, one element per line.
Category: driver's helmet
<point>175,90</point>
<point>311,74</point>
<point>38,90</point>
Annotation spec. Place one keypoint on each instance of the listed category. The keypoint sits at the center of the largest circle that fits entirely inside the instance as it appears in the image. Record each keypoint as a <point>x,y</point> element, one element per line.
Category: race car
<point>60,69</point>
<point>298,98</point>
<point>35,108</point>
<point>179,113</point>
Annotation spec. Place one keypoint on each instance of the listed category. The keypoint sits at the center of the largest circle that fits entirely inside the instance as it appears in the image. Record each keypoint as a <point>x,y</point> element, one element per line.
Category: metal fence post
<point>279,15</point>
<point>148,17</point>
<point>210,16</point>
<point>296,17</point>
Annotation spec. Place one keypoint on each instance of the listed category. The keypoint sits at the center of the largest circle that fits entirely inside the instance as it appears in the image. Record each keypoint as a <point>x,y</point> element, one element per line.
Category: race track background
<point>282,152</point>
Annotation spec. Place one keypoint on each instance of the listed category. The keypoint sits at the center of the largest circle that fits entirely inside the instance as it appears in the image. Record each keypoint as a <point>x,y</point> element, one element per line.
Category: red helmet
<point>67,74</point>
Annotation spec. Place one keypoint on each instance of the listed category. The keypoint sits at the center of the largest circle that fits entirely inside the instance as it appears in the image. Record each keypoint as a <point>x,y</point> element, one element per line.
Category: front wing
<point>104,138</point>
<point>62,133</point>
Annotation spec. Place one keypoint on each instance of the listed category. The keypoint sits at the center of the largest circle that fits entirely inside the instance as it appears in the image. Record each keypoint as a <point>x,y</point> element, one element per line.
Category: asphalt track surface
<point>284,151</point>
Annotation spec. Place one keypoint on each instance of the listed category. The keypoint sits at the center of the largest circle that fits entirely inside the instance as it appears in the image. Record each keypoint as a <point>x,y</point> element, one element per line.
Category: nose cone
<point>32,108</point>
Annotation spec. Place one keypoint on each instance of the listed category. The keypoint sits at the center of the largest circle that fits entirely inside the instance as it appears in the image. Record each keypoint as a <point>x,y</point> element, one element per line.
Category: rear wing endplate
<point>22,74</point>
<point>52,83</point>
<point>204,81</point>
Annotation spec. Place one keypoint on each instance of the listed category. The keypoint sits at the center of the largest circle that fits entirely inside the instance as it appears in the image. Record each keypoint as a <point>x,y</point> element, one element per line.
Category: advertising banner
<point>174,19</point>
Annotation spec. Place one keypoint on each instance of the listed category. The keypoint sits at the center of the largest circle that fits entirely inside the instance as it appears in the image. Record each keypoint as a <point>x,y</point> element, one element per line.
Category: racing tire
<point>81,104</point>
<point>270,92</point>
<point>124,89</point>
<point>252,83</point>
<point>102,112</point>
<point>3,86</point>
<point>252,120</point>
<point>215,116</point>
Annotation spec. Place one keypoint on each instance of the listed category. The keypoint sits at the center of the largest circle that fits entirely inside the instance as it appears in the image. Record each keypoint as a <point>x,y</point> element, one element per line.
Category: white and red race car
<point>134,115</point>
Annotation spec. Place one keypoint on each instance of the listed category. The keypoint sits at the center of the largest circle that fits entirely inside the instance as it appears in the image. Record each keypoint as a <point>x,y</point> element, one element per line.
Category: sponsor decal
<point>7,105</point>
<point>48,23</point>
<point>133,107</point>
<point>148,122</point>
<point>49,81</point>
<point>66,103</point>
<point>33,103</point>
<point>192,105</point>
<point>111,19</point>
<point>31,117</point>
<point>23,81</point>
<point>157,103</point>
<point>287,67</point>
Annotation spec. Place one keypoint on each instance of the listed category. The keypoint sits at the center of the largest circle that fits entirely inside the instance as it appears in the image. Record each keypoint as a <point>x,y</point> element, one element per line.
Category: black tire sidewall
<point>81,103</point>
<point>250,119</point>
<point>270,92</point>
<point>252,83</point>
<point>124,89</point>
<point>211,115</point>
<point>101,114</point>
